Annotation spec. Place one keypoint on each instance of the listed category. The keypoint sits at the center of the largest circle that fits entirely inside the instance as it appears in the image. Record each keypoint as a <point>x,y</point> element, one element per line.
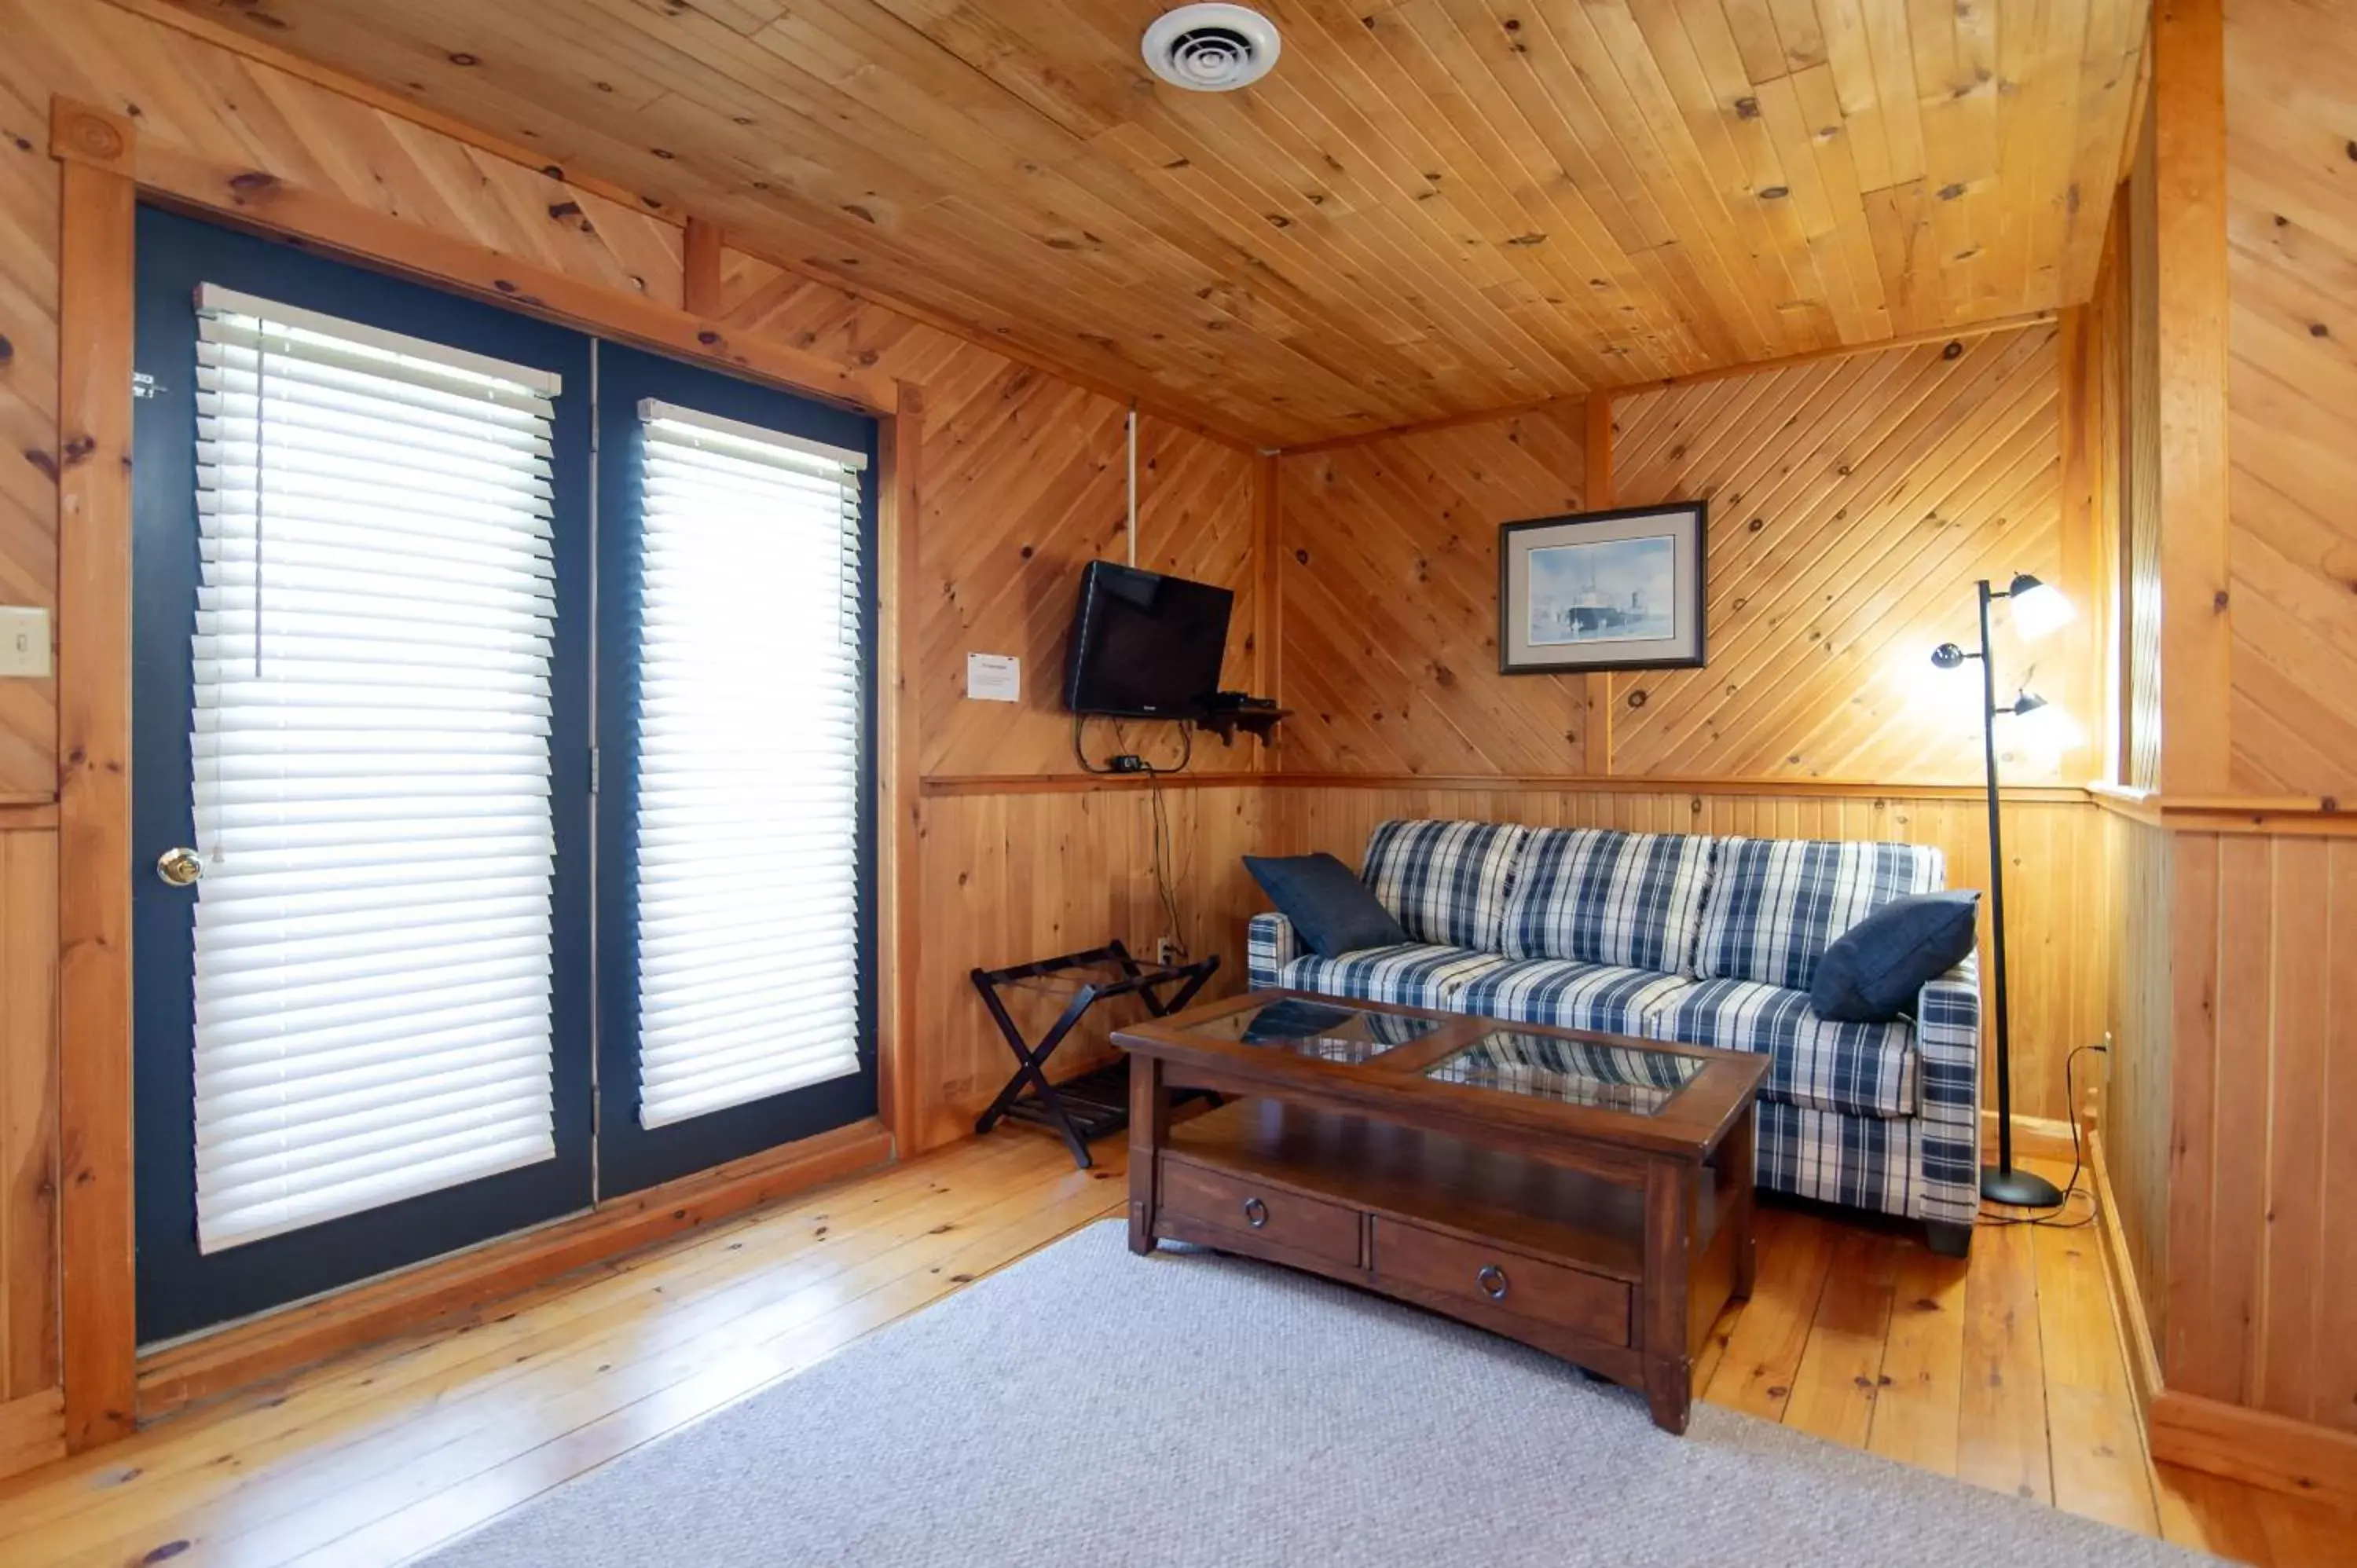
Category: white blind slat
<point>369,742</point>
<point>750,747</point>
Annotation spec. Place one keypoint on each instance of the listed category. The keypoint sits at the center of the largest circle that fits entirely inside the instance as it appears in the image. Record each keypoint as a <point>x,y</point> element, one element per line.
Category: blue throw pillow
<point>1334,911</point>
<point>1872,971</point>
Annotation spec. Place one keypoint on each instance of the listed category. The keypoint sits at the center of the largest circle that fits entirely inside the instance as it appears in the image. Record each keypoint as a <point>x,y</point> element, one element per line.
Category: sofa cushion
<point>1867,1070</point>
<point>1334,911</point>
<point>1414,975</point>
<point>1604,896</point>
<point>1775,905</point>
<point>1575,995</point>
<point>1447,882</point>
<point>1874,970</point>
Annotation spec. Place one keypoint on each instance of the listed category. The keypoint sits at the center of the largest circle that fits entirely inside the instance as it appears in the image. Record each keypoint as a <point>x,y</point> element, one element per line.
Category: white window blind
<point>748,764</point>
<point>370,743</point>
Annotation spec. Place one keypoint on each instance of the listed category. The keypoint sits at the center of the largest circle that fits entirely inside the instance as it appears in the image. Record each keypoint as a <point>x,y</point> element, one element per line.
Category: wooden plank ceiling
<point>1429,208</point>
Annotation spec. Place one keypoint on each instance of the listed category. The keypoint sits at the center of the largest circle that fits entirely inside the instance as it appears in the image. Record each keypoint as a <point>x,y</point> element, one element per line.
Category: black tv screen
<point>1144,645</point>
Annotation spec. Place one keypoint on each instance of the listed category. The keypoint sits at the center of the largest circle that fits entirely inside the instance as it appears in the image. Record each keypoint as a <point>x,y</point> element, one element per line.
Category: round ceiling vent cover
<point>1210,49</point>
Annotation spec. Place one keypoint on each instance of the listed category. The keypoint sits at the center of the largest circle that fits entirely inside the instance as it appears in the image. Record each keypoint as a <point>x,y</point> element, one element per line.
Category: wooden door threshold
<point>456,1290</point>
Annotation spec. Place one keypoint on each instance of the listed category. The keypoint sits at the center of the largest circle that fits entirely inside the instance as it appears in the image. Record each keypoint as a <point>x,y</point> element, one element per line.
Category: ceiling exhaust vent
<point>1210,49</point>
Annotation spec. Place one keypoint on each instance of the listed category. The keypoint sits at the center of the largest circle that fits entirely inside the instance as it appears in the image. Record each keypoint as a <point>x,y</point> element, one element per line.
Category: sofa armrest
<point>1270,944</point>
<point>1948,1054</point>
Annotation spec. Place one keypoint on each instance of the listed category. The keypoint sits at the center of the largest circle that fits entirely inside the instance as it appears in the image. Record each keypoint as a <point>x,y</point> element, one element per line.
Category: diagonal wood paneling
<point>1854,501</point>
<point>1429,207</point>
<point>1023,484</point>
<point>1389,569</point>
<point>2292,395</point>
<point>28,423</point>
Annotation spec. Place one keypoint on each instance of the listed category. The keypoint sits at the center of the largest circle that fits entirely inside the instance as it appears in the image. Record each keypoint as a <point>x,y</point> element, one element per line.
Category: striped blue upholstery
<point>1947,1052</point>
<point>1447,882</point>
<point>1866,1162</point>
<point>1573,996</point>
<point>1867,1069</point>
<point>1604,896</point>
<point>1270,944</point>
<point>1417,975</point>
<point>1775,905</point>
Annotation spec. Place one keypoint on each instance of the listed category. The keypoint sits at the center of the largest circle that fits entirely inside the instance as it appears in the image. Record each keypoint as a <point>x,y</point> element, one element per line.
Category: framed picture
<point>1602,590</point>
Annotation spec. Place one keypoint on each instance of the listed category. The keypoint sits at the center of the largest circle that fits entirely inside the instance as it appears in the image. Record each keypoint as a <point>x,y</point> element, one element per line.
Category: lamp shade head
<point>2039,607</point>
<point>1948,656</point>
<point>2042,729</point>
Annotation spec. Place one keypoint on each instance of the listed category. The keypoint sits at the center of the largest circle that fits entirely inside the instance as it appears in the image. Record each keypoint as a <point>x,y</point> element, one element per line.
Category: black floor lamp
<point>2038,609</point>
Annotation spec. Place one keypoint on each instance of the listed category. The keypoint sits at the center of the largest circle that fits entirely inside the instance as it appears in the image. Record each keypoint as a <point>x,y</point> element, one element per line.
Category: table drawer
<point>1255,1210</point>
<point>1493,1279</point>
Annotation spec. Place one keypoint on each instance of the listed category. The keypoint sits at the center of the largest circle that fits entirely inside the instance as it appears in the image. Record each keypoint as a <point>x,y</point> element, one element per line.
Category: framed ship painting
<point>1602,590</point>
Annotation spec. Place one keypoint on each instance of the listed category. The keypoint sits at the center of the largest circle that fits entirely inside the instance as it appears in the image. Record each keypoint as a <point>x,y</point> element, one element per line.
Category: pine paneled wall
<point>1854,501</point>
<point>1388,557</point>
<point>2291,234</point>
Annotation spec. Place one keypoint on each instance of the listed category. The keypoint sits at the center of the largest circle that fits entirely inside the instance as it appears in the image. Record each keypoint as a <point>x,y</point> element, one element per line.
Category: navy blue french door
<point>630,1155</point>
<point>597,477</point>
<point>181,1287</point>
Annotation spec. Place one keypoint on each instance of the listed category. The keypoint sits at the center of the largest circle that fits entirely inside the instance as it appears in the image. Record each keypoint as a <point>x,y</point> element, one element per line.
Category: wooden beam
<point>450,1291</point>
<point>1268,598</point>
<point>97,202</point>
<point>900,811</point>
<point>700,289</point>
<point>2189,101</point>
<point>2077,371</point>
<point>255,200</point>
<point>1596,728</point>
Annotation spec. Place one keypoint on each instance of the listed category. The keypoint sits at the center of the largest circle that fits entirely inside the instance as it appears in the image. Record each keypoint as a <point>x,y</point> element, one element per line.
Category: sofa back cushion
<point>1447,882</point>
<point>1604,896</point>
<point>1775,905</point>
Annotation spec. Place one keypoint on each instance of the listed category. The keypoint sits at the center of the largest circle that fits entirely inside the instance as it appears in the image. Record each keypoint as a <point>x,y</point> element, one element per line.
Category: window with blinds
<point>746,894</point>
<point>371,741</point>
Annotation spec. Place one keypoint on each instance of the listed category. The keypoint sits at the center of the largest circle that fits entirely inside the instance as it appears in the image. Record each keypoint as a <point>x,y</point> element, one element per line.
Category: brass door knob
<point>179,866</point>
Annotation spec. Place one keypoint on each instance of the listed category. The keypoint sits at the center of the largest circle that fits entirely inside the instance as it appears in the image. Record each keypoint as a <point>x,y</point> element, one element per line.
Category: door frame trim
<point>105,169</point>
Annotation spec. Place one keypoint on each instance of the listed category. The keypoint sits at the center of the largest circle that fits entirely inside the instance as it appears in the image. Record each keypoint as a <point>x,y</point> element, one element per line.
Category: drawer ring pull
<point>1493,1281</point>
<point>1255,1213</point>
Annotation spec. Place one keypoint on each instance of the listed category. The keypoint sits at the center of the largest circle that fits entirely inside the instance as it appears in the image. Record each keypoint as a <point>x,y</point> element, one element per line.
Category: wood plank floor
<point>2006,1373</point>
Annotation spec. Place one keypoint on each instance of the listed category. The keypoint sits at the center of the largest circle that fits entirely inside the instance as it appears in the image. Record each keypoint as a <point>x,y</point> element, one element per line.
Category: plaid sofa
<point>1704,941</point>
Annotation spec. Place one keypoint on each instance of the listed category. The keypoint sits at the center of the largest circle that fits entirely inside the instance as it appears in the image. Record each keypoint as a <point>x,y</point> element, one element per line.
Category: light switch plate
<point>24,640</point>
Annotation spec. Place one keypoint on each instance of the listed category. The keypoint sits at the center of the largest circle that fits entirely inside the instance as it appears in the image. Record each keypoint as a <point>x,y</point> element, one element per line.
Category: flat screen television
<point>1144,645</point>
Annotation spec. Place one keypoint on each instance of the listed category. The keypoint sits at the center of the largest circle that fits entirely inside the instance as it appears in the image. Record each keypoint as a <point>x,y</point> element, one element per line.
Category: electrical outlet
<point>1165,952</point>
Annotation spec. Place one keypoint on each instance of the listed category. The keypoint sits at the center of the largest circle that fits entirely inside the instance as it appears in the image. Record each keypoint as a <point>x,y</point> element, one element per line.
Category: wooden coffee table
<point>1588,1194</point>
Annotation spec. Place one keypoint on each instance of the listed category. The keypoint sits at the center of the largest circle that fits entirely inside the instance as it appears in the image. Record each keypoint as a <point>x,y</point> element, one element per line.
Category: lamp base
<point>2024,1189</point>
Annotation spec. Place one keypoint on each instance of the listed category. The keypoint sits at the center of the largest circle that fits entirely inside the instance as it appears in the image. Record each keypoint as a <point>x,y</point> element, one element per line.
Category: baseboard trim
<point>453,1291</point>
<point>2136,1346</point>
<point>32,1430</point>
<point>2297,1458</point>
<point>2294,1457</point>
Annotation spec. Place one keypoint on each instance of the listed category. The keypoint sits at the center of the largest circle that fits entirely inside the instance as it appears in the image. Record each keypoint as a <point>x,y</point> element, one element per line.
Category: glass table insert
<point>1630,1079</point>
<point>1319,1029</point>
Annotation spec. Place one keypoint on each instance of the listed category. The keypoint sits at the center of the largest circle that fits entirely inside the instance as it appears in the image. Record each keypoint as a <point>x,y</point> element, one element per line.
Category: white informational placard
<point>994,677</point>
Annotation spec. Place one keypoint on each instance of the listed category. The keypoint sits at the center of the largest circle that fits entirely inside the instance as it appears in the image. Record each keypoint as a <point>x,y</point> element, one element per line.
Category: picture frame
<point>1621,589</point>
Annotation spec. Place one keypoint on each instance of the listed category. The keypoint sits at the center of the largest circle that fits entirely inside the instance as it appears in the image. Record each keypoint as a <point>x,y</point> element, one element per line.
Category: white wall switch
<point>994,677</point>
<point>24,640</point>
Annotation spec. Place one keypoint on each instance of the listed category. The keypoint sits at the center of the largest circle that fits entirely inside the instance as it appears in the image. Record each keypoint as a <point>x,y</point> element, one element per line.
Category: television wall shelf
<point>1254,722</point>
